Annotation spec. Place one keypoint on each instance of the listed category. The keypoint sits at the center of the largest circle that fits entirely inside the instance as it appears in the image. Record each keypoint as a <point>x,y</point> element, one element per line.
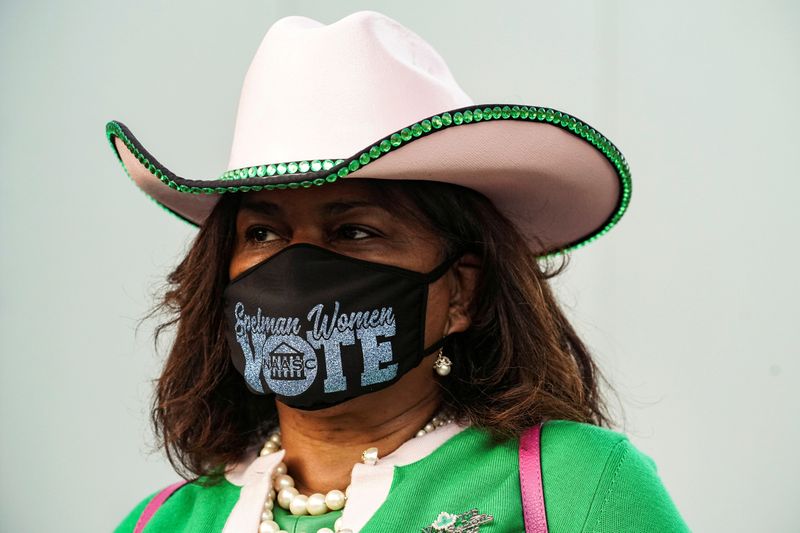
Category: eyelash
<point>354,227</point>
<point>250,233</point>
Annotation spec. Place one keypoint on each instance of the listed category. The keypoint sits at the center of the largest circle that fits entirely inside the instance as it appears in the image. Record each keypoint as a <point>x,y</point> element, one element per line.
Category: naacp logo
<point>286,363</point>
<point>290,364</point>
<point>276,349</point>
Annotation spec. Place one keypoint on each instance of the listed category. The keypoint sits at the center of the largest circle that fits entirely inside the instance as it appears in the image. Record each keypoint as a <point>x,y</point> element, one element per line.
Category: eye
<point>354,233</point>
<point>260,234</point>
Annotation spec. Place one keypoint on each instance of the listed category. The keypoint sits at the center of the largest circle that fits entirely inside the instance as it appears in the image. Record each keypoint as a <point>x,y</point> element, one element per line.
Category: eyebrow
<point>330,209</point>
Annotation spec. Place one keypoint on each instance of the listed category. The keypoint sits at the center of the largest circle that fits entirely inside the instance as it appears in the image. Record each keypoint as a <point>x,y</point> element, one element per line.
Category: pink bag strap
<point>154,504</point>
<point>530,479</point>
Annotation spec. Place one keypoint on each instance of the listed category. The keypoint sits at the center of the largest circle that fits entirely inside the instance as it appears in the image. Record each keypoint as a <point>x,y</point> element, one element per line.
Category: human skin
<point>322,445</point>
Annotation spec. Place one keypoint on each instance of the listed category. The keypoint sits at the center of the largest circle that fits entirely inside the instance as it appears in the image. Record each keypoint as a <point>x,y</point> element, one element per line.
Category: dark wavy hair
<point>520,362</point>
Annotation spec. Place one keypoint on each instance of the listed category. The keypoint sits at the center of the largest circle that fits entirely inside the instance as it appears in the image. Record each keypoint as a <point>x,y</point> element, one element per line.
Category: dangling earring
<point>442,364</point>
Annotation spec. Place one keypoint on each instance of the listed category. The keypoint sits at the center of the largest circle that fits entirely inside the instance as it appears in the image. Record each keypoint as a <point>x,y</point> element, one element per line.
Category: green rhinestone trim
<point>157,172</point>
<point>290,174</point>
<point>280,169</point>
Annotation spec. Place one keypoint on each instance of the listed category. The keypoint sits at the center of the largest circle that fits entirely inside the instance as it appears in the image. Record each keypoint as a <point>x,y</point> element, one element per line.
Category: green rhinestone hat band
<point>304,174</point>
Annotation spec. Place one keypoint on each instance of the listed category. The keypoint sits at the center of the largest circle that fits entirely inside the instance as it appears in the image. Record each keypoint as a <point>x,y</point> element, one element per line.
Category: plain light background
<point>689,303</point>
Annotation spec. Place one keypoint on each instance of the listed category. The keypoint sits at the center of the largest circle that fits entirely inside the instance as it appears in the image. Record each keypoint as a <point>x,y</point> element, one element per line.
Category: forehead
<point>316,195</point>
<point>370,197</point>
<point>331,199</point>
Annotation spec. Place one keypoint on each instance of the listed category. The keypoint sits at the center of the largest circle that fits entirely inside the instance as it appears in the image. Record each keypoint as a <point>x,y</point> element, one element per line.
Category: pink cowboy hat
<point>365,97</point>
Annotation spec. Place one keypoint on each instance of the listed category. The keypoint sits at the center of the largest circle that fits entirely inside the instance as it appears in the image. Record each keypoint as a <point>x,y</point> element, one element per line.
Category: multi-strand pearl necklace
<point>289,498</point>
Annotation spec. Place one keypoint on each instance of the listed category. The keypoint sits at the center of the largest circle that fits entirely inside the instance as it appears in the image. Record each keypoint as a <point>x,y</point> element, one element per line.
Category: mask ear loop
<point>443,267</point>
<point>438,345</point>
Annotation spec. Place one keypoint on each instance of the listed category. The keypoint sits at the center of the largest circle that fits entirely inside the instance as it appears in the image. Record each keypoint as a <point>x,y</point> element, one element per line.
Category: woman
<point>370,343</point>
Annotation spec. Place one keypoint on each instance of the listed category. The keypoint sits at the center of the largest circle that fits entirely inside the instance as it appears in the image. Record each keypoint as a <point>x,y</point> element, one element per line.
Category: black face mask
<point>318,328</point>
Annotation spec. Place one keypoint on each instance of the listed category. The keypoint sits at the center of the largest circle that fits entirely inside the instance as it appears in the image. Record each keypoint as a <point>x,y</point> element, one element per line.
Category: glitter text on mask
<point>289,363</point>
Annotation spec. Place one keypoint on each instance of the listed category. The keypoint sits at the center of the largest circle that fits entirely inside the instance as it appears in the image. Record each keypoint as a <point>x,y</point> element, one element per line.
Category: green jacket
<point>594,481</point>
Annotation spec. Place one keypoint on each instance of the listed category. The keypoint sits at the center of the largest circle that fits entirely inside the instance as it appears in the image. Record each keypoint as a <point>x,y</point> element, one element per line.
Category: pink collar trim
<point>369,485</point>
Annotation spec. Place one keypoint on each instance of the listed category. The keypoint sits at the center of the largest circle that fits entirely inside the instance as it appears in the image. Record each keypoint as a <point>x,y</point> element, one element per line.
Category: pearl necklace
<point>289,498</point>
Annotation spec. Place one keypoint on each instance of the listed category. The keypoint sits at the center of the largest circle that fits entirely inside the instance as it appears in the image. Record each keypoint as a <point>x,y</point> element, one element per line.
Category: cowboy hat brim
<point>559,180</point>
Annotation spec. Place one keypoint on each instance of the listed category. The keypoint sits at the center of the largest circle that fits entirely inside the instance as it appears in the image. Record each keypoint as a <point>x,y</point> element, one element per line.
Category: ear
<point>463,279</point>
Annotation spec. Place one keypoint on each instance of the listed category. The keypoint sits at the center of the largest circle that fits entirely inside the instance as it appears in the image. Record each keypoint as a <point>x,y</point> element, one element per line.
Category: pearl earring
<point>443,364</point>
